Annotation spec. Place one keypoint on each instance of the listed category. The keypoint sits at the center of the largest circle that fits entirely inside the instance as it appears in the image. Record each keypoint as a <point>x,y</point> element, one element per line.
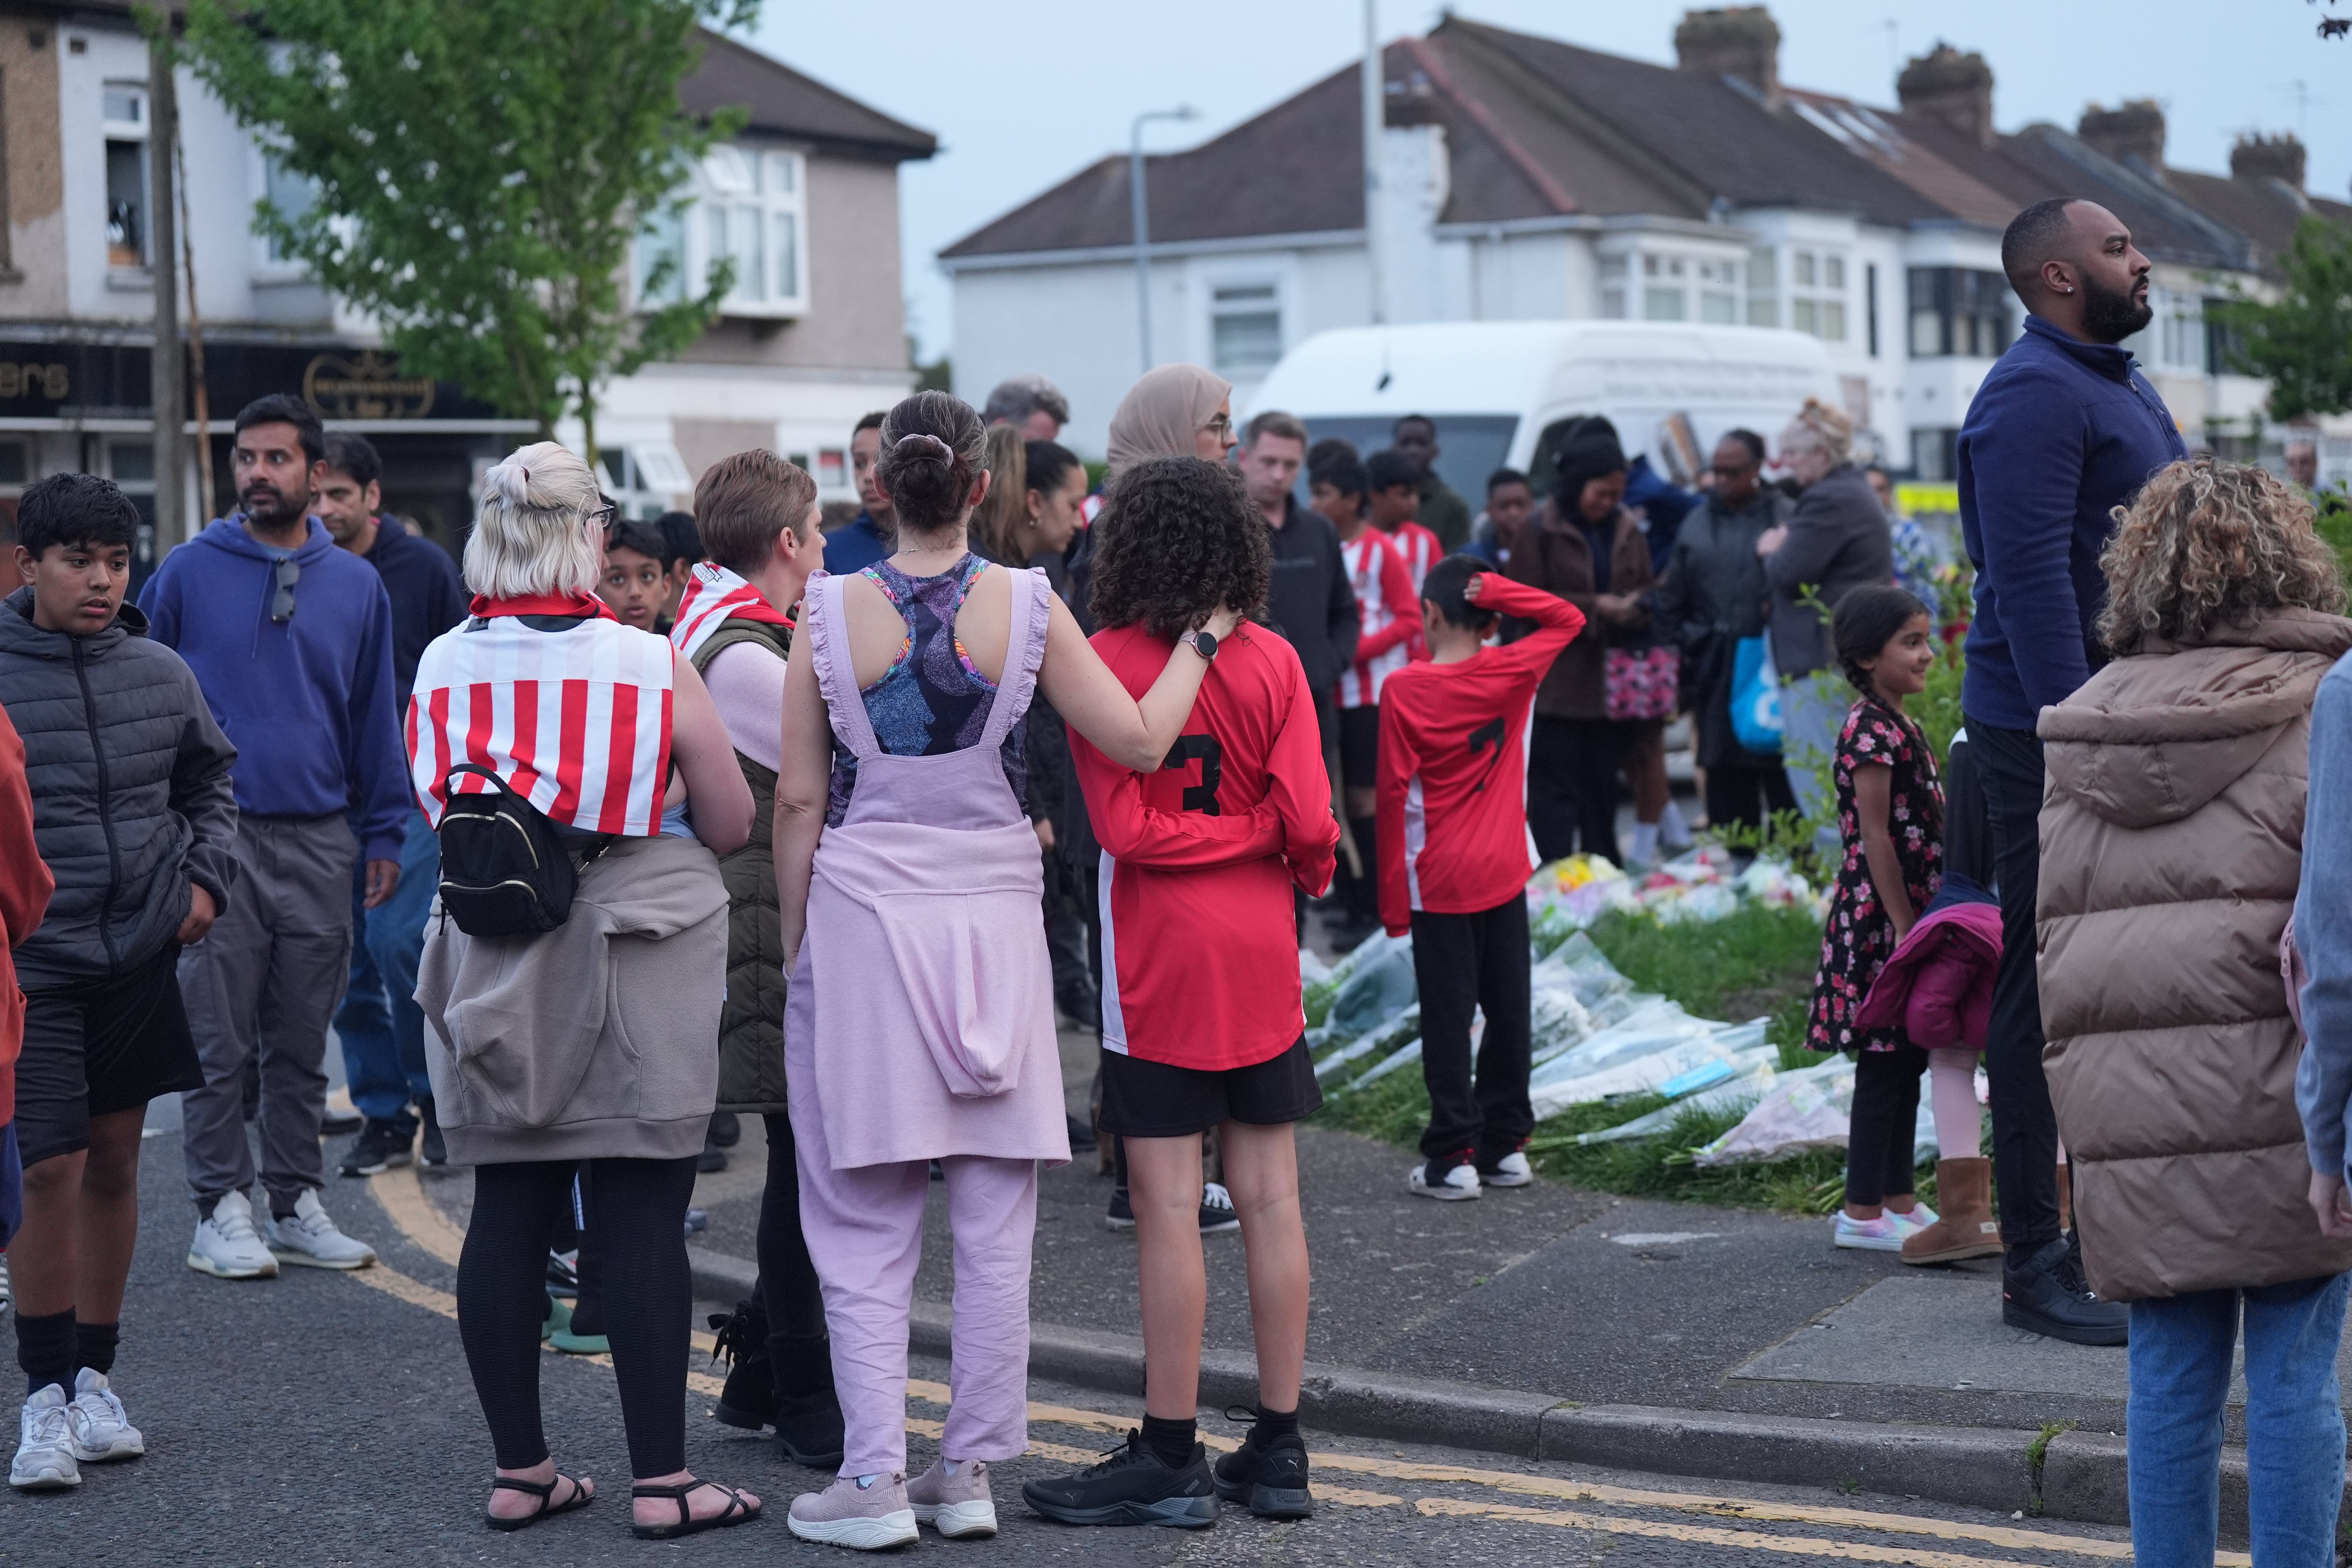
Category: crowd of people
<point>871,806</point>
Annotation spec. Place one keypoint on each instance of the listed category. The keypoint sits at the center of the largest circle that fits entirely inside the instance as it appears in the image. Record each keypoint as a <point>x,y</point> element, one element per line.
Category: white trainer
<point>227,1246</point>
<point>45,1455</point>
<point>1452,1187</point>
<point>310,1239</point>
<point>1511,1171</point>
<point>955,1506</point>
<point>101,1430</point>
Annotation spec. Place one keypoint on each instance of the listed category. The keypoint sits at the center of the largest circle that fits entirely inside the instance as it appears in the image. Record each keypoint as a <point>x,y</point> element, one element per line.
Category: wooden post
<point>168,375</point>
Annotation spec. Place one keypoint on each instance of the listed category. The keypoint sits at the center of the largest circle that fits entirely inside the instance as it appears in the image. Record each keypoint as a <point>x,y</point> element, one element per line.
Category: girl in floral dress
<point>1891,822</point>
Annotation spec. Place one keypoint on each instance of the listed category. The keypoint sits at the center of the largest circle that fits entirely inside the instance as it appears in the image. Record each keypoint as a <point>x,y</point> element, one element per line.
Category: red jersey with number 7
<point>1454,766</point>
<point>1199,954</point>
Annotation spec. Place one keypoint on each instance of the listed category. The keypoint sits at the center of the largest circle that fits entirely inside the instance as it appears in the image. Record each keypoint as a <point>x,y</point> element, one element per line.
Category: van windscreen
<point>1469,445</point>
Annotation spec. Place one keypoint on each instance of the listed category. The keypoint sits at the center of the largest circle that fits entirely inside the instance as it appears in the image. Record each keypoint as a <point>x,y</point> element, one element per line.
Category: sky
<point>1024,93</point>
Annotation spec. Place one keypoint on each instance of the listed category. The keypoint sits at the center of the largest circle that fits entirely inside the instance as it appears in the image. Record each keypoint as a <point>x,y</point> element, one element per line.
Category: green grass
<point>1757,963</point>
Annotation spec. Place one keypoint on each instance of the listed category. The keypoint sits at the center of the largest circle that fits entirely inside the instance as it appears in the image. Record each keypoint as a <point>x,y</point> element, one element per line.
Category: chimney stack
<point>2134,130</point>
<point>2259,157</point>
<point>1948,86</point>
<point>1740,41</point>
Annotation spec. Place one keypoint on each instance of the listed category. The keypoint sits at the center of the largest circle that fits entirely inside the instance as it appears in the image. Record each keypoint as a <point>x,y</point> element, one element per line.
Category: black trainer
<point>726,1129</point>
<point>2048,1296</point>
<point>1122,1211</point>
<point>1271,1481</point>
<point>1130,1487</point>
<point>748,1400</point>
<point>436,1148</point>
<point>380,1146</point>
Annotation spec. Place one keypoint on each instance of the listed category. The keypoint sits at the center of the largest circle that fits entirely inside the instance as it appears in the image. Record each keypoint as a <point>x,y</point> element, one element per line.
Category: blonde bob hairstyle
<point>1819,424</point>
<point>2210,542</point>
<point>538,529</point>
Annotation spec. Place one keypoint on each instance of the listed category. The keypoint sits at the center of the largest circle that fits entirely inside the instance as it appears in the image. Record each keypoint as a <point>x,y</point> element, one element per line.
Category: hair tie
<point>946,451</point>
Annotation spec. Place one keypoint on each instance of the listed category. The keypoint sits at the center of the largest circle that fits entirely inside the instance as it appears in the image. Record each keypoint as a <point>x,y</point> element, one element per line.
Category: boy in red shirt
<point>1455,860</point>
<point>1201,1022</point>
<point>1396,499</point>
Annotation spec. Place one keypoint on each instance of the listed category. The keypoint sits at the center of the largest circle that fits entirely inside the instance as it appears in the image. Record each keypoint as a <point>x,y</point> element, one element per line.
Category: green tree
<point>481,168</point>
<point>2304,341</point>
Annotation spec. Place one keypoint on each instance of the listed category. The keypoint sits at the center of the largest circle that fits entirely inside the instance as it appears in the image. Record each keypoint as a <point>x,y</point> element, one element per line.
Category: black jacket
<point>1311,604</point>
<point>1714,593</point>
<point>427,598</point>
<point>131,791</point>
<point>1839,539</point>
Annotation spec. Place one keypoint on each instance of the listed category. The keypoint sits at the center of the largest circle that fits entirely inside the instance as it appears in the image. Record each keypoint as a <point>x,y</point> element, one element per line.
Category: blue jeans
<point>381,1025</point>
<point>2180,1349</point>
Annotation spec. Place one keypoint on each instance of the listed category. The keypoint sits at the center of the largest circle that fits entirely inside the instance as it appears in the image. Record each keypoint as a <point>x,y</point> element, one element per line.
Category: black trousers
<point>1463,962</point>
<point>2024,1127</point>
<point>638,1214</point>
<point>788,1287</point>
<point>1884,1130</point>
<point>1572,767</point>
<point>1747,796</point>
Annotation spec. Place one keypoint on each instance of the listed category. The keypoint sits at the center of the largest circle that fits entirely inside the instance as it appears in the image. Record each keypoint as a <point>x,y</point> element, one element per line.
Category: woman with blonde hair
<point>1836,541</point>
<point>586,1045</point>
<point>997,522</point>
<point>2172,839</point>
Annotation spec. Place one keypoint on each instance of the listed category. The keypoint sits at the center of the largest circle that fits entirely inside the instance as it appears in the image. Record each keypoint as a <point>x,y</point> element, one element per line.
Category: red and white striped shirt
<point>1418,548</point>
<point>1392,611</point>
<point>712,593</point>
<point>578,721</point>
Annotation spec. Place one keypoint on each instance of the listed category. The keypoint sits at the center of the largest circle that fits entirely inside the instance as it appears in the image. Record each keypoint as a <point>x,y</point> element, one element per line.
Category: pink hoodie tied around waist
<point>1937,985</point>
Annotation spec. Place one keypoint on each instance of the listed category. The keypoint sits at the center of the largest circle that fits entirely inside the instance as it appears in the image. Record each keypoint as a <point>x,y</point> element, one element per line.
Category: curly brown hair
<point>1179,540</point>
<point>2207,542</point>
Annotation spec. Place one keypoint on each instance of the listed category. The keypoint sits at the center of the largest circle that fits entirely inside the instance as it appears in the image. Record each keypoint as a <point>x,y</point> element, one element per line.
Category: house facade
<point>1524,178</point>
<point>803,200</point>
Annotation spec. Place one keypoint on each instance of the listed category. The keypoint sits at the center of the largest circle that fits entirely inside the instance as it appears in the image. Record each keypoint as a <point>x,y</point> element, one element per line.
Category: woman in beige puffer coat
<point>2171,844</point>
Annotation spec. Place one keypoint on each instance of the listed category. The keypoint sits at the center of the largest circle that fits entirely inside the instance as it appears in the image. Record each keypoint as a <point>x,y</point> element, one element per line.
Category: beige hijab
<point>1160,414</point>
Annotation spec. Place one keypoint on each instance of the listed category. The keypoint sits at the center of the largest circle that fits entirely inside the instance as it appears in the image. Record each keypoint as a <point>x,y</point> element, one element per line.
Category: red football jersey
<point>1454,766</point>
<point>1391,616</point>
<point>1199,951</point>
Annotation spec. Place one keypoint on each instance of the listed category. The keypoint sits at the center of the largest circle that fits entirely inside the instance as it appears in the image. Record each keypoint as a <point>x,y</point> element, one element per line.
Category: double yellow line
<point>401,1193</point>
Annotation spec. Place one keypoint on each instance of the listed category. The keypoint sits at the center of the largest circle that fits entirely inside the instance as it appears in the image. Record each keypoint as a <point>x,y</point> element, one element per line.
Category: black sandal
<point>737,1510</point>
<point>544,1491</point>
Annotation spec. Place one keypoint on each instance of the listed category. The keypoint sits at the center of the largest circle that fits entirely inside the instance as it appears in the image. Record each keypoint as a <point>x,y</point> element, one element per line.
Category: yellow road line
<point>404,1202</point>
<point>1753,1540</point>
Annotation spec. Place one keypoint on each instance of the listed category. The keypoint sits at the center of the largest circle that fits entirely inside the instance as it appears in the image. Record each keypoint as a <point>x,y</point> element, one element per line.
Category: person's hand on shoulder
<point>1224,624</point>
<point>1769,542</point>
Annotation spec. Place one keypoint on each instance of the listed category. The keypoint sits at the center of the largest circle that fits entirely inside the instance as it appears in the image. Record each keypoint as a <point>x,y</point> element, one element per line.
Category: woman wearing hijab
<point>1589,550</point>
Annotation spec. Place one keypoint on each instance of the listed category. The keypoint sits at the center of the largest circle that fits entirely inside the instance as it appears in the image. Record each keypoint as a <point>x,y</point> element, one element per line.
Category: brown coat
<point>1554,556</point>
<point>2172,843</point>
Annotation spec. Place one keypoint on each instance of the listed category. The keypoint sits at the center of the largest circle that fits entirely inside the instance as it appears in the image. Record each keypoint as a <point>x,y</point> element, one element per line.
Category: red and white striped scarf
<point>712,595</point>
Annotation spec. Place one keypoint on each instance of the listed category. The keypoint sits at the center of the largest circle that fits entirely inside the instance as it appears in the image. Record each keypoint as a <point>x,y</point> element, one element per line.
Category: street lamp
<point>1143,220</point>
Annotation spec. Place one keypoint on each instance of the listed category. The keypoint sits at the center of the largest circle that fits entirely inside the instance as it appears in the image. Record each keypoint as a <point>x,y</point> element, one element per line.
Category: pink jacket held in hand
<point>1937,985</point>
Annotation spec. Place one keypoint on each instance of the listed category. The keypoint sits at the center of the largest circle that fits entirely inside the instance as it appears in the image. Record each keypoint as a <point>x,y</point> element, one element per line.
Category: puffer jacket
<point>2171,845</point>
<point>751,1023</point>
<point>130,786</point>
<point>1936,987</point>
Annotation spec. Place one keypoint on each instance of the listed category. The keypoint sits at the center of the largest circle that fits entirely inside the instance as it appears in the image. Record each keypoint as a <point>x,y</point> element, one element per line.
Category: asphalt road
<point>325,1418</point>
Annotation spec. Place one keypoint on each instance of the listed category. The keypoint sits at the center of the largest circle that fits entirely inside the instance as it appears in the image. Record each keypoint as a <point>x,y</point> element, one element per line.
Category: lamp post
<point>1141,208</point>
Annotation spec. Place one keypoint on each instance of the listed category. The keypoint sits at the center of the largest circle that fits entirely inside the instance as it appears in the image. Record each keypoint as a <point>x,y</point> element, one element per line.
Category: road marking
<point>402,1197</point>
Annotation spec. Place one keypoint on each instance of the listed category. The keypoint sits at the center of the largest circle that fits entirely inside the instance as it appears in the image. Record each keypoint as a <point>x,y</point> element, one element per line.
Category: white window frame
<point>1275,303</point>
<point>267,266</point>
<point>1814,305</point>
<point>138,129</point>
<point>738,184</point>
<point>651,474</point>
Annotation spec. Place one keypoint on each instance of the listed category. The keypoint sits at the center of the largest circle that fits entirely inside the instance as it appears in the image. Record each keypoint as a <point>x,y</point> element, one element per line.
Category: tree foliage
<point>480,170</point>
<point>2304,341</point>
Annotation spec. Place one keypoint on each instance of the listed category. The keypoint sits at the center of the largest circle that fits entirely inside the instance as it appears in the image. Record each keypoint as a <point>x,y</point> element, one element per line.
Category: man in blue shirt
<point>873,534</point>
<point>290,639</point>
<point>380,1025</point>
<point>2063,431</point>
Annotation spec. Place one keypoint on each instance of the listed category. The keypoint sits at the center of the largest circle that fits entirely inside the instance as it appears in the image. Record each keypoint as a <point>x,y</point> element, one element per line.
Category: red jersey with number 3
<point>1199,953</point>
<point>1452,836</point>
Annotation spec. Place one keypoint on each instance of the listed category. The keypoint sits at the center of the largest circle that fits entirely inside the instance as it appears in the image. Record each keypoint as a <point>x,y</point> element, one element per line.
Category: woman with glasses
<point>590,1044</point>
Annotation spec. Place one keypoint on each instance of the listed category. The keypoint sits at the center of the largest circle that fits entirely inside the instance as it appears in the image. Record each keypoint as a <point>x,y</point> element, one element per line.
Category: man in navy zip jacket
<point>2062,431</point>
<point>290,639</point>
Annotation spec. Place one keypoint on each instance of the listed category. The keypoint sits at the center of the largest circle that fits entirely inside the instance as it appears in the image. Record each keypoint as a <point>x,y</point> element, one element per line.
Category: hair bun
<point>509,479</point>
<point>922,447</point>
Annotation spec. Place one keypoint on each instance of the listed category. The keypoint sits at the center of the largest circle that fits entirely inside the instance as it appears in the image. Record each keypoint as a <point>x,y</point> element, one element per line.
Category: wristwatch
<point>1202,643</point>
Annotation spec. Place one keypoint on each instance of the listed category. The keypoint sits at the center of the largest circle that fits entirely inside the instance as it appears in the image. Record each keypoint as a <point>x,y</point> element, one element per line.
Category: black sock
<point>95,1344</point>
<point>1172,1441</point>
<point>282,1205</point>
<point>44,1348</point>
<point>1365,888</point>
<point>204,1206</point>
<point>1271,1425</point>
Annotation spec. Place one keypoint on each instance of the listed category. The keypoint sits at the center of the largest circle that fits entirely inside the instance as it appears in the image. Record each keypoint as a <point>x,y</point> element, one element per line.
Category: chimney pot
<point>1735,40</point>
<point>2134,130</point>
<point>2259,157</point>
<point>1948,85</point>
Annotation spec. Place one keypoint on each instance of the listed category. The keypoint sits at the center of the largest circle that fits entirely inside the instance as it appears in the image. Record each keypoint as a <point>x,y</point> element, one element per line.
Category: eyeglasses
<point>603,517</point>
<point>1222,428</point>
<point>282,606</point>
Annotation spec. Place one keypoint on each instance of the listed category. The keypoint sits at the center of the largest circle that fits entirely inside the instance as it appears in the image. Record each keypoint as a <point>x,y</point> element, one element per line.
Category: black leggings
<point>1883,1137</point>
<point>1572,784</point>
<point>638,1215</point>
<point>788,1287</point>
<point>1742,795</point>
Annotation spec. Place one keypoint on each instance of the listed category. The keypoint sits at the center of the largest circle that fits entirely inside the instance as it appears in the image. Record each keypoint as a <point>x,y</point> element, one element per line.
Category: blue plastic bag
<point>1756,696</point>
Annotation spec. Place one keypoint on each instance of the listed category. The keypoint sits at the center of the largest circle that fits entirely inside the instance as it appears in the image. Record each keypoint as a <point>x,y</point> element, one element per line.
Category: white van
<point>1498,389</point>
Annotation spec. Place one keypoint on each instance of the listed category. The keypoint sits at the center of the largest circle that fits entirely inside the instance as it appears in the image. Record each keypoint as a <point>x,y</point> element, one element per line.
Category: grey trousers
<point>267,979</point>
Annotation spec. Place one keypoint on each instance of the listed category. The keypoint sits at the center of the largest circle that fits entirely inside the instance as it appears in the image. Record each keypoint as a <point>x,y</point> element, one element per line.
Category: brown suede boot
<point>1964,1194</point>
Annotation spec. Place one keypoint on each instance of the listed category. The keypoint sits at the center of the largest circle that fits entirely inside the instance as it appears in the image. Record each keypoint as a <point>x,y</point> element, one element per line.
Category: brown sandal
<point>544,1491</point>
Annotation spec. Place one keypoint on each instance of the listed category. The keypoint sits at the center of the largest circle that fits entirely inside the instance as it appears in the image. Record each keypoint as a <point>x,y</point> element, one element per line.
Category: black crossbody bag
<point>504,870</point>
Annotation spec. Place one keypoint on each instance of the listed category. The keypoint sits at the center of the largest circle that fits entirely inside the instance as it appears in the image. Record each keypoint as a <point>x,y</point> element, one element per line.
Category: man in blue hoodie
<point>2063,431</point>
<point>290,639</point>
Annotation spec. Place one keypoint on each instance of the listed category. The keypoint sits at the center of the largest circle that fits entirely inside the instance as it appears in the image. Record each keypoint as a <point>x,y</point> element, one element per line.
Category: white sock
<point>1646,843</point>
<point>956,1467</point>
<point>1673,832</point>
<point>865,1481</point>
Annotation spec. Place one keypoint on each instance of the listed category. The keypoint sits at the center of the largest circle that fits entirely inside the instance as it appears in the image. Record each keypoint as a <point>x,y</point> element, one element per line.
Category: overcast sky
<point>1022,93</point>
